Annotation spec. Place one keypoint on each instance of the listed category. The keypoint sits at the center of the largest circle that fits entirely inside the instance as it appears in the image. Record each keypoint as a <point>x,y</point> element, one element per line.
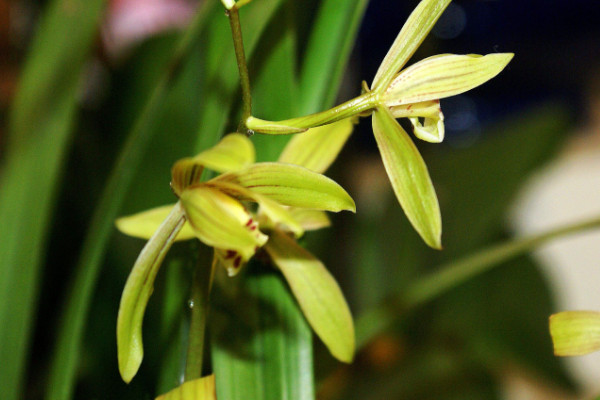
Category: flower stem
<point>238,45</point>
<point>356,106</point>
<point>199,305</point>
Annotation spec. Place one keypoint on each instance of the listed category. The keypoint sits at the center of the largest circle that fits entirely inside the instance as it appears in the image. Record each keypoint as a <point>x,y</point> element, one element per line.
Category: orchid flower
<point>575,333</point>
<point>216,212</point>
<point>412,93</point>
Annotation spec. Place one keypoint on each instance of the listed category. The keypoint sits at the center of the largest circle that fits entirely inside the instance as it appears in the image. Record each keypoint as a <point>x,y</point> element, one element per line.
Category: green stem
<point>199,305</point>
<point>356,106</point>
<point>450,275</point>
<point>238,45</point>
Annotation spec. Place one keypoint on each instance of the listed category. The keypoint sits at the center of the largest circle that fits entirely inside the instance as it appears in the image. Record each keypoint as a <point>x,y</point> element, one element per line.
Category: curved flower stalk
<point>412,93</point>
<point>216,212</point>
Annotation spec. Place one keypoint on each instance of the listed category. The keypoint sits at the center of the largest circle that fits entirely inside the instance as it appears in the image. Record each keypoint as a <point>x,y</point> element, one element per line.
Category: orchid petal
<point>575,333</point>
<point>231,260</point>
<point>317,293</point>
<point>137,291</point>
<point>432,129</point>
<point>415,29</point>
<point>221,221</point>
<point>234,152</point>
<point>310,220</point>
<point>409,177</point>
<point>197,389</point>
<point>443,76</point>
<point>317,148</point>
<point>277,214</point>
<point>143,224</point>
<point>292,185</point>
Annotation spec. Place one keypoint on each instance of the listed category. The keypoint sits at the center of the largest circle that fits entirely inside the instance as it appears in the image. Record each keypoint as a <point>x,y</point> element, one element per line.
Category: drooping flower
<point>216,212</point>
<point>412,93</point>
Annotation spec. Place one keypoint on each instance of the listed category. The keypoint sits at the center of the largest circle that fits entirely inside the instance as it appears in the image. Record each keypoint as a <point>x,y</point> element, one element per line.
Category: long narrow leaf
<point>327,53</point>
<point>67,350</point>
<point>41,124</point>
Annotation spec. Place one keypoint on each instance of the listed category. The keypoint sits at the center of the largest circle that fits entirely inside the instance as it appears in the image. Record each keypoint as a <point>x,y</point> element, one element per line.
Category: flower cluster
<point>290,197</point>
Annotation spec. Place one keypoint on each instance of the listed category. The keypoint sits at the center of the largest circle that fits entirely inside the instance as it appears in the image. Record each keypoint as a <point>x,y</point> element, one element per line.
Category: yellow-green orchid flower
<point>412,93</point>
<point>575,333</point>
<point>215,212</point>
<point>415,93</point>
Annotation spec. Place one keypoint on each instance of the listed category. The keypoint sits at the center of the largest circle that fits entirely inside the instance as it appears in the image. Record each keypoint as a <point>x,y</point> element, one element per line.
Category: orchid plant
<point>264,207</point>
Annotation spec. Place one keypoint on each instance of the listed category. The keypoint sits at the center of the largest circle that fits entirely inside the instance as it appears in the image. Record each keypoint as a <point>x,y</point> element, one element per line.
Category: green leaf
<point>73,319</point>
<point>143,224</point>
<point>137,291</point>
<point>293,186</point>
<point>318,294</point>
<point>38,138</point>
<point>261,342</point>
<point>415,29</point>
<point>197,389</point>
<point>317,148</point>
<point>443,76</point>
<point>329,45</point>
<point>409,177</point>
<point>274,81</point>
<point>575,333</point>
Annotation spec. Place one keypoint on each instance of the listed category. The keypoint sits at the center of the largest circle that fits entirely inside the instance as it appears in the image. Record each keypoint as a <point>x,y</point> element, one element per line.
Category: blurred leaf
<point>502,317</point>
<point>474,200</point>
<point>72,322</point>
<point>41,123</point>
<point>453,274</point>
<point>273,79</point>
<point>329,45</point>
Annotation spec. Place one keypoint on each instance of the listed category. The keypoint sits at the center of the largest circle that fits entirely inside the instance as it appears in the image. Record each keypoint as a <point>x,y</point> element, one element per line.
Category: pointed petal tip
<point>345,357</point>
<point>433,242</point>
<point>129,367</point>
